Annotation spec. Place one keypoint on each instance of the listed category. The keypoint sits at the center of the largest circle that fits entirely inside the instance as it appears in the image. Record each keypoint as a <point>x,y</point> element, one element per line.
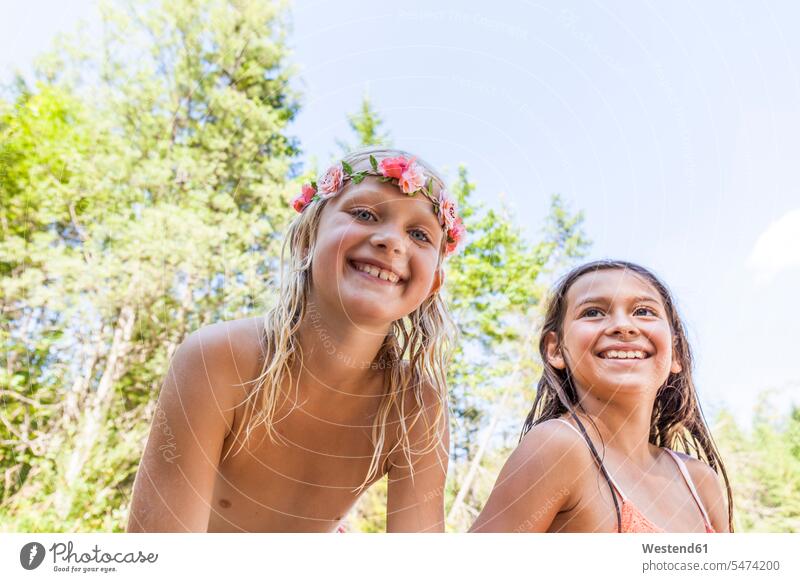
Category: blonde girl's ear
<point>438,281</point>
<point>554,355</point>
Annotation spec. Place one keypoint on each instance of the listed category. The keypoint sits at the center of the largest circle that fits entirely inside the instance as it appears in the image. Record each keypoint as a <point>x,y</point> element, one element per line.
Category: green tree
<point>763,465</point>
<point>147,201</point>
<point>44,138</point>
<point>367,125</point>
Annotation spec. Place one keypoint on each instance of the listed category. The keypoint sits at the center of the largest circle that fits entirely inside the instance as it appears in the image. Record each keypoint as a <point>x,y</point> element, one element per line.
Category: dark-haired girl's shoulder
<point>554,440</point>
<point>709,488</point>
<point>537,481</point>
<point>698,470</point>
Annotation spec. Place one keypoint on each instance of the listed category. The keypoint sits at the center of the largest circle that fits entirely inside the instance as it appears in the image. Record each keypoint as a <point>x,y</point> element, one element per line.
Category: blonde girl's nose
<point>390,239</point>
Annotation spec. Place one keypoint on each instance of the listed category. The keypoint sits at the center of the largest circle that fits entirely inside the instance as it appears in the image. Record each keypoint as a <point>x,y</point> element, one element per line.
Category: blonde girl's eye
<point>423,237</point>
<point>362,214</point>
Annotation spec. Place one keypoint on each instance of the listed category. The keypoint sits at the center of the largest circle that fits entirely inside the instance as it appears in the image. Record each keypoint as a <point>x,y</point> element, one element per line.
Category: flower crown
<point>406,174</point>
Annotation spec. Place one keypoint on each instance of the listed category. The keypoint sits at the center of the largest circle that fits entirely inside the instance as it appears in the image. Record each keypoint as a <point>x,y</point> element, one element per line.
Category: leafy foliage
<point>764,468</point>
<point>179,138</point>
<point>143,186</point>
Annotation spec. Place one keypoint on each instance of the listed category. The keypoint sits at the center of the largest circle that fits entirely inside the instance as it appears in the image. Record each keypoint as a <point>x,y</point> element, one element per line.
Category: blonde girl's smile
<point>375,271</point>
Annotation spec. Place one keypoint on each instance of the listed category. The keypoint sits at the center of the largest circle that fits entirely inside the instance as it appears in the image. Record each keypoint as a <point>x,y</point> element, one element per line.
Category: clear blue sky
<point>674,126</point>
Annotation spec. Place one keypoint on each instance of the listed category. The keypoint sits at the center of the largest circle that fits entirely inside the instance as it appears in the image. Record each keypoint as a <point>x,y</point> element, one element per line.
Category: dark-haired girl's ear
<point>676,361</point>
<point>554,356</point>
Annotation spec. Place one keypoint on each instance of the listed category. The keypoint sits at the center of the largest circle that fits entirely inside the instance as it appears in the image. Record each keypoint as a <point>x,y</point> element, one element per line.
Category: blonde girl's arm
<point>416,503</point>
<point>535,483</point>
<point>175,481</point>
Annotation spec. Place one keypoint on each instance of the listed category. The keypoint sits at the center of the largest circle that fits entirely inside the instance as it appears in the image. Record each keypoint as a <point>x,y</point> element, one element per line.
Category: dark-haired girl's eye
<point>592,312</point>
<point>645,312</point>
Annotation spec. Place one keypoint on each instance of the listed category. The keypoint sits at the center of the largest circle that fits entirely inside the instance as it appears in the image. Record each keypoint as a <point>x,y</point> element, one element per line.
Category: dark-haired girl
<point>614,405</point>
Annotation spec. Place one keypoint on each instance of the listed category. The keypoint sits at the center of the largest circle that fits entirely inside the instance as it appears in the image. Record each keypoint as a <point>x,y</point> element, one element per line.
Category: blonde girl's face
<point>377,253</point>
<point>616,334</point>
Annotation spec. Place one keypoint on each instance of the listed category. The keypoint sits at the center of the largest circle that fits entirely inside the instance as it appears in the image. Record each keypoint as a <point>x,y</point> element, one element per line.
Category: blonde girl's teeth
<point>379,273</point>
<point>640,355</point>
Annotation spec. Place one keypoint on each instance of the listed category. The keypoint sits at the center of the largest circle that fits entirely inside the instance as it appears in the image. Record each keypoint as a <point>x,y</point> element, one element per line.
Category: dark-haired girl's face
<point>616,335</point>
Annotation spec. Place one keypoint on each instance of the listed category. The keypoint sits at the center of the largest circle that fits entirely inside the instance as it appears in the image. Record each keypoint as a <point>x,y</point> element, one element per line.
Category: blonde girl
<point>280,423</point>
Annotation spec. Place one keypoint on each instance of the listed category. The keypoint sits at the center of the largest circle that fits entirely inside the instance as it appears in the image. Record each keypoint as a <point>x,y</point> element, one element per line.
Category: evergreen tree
<point>367,125</point>
<point>147,201</point>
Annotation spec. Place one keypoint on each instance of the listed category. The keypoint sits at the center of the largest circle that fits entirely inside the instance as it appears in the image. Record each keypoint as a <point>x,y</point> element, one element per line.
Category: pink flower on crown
<point>393,167</point>
<point>306,195</point>
<point>412,178</point>
<point>331,182</point>
<point>455,235</point>
<point>448,210</point>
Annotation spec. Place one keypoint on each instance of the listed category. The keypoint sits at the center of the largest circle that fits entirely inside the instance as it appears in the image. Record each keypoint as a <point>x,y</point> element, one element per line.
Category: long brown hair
<point>677,421</point>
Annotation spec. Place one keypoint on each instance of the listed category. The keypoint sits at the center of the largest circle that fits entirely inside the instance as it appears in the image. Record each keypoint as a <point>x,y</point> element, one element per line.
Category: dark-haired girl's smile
<point>616,317</point>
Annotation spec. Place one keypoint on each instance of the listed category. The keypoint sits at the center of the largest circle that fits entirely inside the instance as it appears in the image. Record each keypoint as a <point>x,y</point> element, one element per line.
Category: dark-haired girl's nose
<point>622,325</point>
<point>626,331</point>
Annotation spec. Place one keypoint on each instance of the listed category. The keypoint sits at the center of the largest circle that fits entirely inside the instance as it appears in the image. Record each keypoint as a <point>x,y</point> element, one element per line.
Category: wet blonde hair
<point>414,353</point>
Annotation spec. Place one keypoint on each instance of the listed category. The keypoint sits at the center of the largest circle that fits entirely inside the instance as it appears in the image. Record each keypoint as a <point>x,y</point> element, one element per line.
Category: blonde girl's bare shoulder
<point>241,337</point>
<point>232,349</point>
